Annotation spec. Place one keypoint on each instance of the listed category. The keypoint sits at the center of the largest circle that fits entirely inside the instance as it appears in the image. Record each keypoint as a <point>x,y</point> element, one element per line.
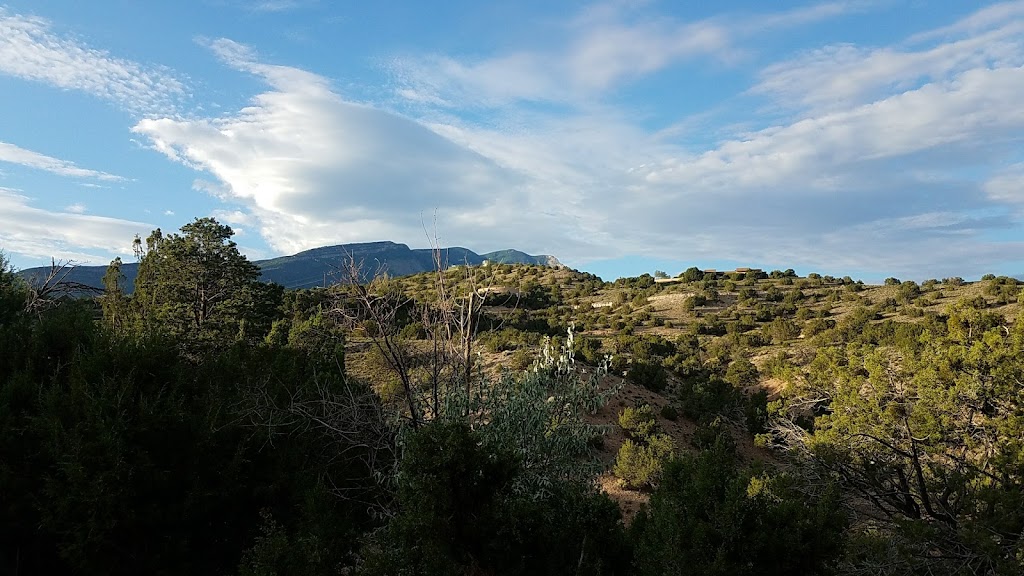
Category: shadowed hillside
<point>324,266</point>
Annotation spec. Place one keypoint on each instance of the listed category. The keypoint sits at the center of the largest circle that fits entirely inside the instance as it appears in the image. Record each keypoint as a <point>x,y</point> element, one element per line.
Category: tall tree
<point>198,286</point>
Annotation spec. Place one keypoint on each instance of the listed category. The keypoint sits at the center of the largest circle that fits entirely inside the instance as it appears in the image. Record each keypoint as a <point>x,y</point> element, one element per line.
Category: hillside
<point>806,425</point>
<point>757,336</point>
<point>325,265</point>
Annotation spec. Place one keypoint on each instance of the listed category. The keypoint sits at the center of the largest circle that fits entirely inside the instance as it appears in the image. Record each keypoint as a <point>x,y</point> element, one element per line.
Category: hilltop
<point>325,265</point>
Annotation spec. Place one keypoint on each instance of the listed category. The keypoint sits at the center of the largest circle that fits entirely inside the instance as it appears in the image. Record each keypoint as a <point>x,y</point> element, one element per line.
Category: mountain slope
<point>327,264</point>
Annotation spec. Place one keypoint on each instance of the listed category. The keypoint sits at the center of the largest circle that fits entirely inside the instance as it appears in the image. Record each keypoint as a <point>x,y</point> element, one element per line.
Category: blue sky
<point>869,138</point>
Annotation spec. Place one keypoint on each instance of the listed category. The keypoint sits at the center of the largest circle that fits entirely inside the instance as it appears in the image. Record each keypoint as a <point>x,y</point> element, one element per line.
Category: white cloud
<point>1007,185</point>
<point>315,168</point>
<point>16,155</point>
<point>30,49</point>
<point>878,168</point>
<point>604,47</point>
<point>42,234</point>
<point>906,169</point>
<point>839,76</point>
<point>76,208</point>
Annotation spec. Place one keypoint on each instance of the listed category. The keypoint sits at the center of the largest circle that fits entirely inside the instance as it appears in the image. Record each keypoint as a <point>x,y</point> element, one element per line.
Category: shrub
<point>742,373</point>
<point>638,423</point>
<point>639,465</point>
<point>710,516</point>
<point>703,395</point>
<point>668,412</point>
<point>647,374</point>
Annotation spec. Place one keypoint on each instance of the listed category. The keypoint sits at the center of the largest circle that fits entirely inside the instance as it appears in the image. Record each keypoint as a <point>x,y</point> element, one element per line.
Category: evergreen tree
<point>198,286</point>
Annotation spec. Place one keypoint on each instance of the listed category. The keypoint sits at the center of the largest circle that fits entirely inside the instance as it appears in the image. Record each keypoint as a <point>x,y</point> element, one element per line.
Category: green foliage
<point>540,415</point>
<point>700,396</point>
<point>650,375</point>
<point>668,412</point>
<point>742,373</point>
<point>13,292</point>
<point>121,456</point>
<point>460,513</point>
<point>589,350</point>
<point>756,412</point>
<point>639,463</point>
<point>197,287</point>
<point>638,423</point>
<point>931,434</point>
<point>710,517</point>
<point>1003,289</point>
<point>692,274</point>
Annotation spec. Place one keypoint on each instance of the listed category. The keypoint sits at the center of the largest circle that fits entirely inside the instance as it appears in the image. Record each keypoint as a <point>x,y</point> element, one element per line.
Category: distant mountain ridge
<point>323,265</point>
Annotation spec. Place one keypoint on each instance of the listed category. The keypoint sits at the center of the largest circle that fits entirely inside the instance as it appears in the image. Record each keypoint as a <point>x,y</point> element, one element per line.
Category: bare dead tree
<point>47,291</point>
<point>379,301</point>
<point>450,320</point>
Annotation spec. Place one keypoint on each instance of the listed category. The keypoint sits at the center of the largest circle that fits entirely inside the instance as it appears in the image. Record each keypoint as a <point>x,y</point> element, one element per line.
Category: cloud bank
<point>893,158</point>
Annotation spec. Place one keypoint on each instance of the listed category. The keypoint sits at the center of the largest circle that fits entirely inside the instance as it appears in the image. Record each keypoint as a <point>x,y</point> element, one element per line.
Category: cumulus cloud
<point>30,49</point>
<point>17,155</point>
<point>70,235</point>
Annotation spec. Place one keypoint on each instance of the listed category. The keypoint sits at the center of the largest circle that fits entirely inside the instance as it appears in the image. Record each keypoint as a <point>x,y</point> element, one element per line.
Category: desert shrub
<point>711,516</point>
<point>588,350</point>
<point>647,374</point>
<point>706,395</point>
<point>742,373</point>
<point>414,331</point>
<point>639,464</point>
<point>712,431</point>
<point>756,412</point>
<point>521,360</point>
<point>668,412</point>
<point>638,423</point>
<point>460,513</point>
<point>782,329</point>
<point>694,301</point>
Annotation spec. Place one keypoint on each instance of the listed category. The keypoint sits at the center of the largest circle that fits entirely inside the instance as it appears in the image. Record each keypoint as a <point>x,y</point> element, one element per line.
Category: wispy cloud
<point>605,46</point>
<point>32,50</point>
<point>274,5</point>
<point>838,76</point>
<point>17,155</point>
<point>38,233</point>
<point>882,160</point>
